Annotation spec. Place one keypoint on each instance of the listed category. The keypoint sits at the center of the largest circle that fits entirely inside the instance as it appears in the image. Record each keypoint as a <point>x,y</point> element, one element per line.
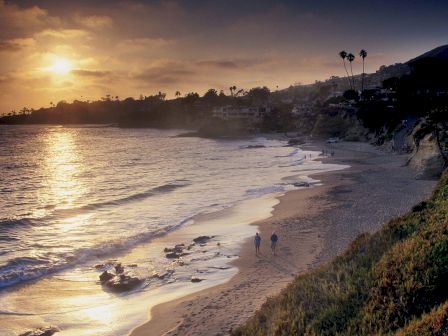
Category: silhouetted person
<point>274,239</point>
<point>257,241</point>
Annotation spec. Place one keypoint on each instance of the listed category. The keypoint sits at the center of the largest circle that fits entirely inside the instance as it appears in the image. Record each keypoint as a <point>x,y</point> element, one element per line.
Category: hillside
<point>389,282</point>
<point>440,53</point>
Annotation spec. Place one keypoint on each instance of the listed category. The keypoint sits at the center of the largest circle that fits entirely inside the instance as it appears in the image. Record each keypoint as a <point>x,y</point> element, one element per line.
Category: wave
<point>265,190</point>
<point>64,213</point>
<point>23,269</point>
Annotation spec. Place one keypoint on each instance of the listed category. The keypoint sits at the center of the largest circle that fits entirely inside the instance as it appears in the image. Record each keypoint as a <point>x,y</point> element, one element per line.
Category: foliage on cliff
<point>389,282</point>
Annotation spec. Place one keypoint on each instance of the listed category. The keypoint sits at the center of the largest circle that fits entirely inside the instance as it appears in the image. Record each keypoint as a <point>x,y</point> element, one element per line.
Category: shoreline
<point>162,318</point>
<point>300,216</point>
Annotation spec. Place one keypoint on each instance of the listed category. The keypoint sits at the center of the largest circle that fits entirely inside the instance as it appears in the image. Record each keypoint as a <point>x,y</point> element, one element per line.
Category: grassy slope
<point>394,281</point>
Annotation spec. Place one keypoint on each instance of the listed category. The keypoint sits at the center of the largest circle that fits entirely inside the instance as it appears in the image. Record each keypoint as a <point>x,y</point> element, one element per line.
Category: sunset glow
<point>61,66</point>
<point>131,48</point>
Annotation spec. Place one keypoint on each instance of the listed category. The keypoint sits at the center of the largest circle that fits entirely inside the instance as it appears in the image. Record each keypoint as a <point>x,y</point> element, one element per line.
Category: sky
<point>65,50</point>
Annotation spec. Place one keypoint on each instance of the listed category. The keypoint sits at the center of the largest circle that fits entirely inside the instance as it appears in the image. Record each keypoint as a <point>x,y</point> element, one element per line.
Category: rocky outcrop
<point>427,159</point>
<point>339,124</point>
<point>120,280</point>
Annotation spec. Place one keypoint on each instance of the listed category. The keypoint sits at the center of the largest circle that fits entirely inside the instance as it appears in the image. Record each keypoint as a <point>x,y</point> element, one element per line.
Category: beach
<point>313,224</point>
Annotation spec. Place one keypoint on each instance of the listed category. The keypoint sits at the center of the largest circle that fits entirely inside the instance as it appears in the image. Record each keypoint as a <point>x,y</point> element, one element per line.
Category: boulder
<point>106,276</point>
<point>202,239</point>
<point>119,281</point>
<point>176,249</point>
<point>175,255</point>
<point>301,184</point>
<point>119,268</point>
<point>123,282</point>
<point>194,279</point>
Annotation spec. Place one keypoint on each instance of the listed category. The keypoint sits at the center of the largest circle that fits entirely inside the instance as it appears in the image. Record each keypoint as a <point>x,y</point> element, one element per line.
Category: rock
<point>301,184</point>
<point>107,264</point>
<point>123,282</point>
<point>295,142</point>
<point>202,239</point>
<point>255,146</point>
<point>427,160</point>
<point>106,276</point>
<point>176,249</point>
<point>175,255</point>
<point>196,279</point>
<point>164,275</point>
<point>119,268</point>
<point>41,332</point>
<point>119,281</point>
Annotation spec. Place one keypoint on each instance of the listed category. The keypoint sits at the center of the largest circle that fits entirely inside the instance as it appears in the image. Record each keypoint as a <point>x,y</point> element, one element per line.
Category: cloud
<point>16,21</point>
<point>63,33</point>
<point>14,45</point>
<point>230,64</point>
<point>219,64</point>
<point>166,72</point>
<point>91,73</point>
<point>94,21</point>
<point>143,43</point>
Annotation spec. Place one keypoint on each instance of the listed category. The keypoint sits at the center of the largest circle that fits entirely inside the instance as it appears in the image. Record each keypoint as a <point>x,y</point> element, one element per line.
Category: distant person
<point>257,241</point>
<point>274,239</point>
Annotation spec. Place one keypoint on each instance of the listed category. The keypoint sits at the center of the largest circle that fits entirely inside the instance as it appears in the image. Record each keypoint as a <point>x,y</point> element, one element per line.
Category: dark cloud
<point>91,73</point>
<point>219,64</point>
<point>10,46</point>
<point>133,46</point>
<point>165,73</point>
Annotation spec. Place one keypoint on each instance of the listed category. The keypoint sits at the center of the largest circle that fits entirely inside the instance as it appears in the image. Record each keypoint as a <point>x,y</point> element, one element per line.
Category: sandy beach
<point>313,225</point>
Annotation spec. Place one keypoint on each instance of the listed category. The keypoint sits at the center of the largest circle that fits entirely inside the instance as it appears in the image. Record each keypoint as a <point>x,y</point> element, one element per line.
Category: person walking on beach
<point>257,241</point>
<point>274,239</point>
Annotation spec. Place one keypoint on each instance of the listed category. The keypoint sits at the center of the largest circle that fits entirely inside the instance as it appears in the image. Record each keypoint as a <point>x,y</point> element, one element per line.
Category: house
<point>302,109</point>
<point>252,114</point>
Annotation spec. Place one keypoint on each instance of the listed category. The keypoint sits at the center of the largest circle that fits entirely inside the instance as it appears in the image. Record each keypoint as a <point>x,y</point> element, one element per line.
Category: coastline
<point>356,198</point>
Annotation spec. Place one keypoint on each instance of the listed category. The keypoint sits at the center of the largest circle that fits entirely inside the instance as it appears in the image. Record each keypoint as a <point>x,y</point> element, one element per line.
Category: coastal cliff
<point>391,281</point>
<point>427,159</point>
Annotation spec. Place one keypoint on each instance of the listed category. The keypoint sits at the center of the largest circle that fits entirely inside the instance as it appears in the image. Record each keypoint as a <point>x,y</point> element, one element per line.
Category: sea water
<point>75,197</point>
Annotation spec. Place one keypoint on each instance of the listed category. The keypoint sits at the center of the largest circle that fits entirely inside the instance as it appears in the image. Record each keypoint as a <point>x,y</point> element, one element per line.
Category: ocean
<point>72,198</point>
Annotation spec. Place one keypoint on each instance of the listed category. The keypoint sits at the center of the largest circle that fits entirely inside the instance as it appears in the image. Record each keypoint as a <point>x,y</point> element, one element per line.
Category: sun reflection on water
<point>63,163</point>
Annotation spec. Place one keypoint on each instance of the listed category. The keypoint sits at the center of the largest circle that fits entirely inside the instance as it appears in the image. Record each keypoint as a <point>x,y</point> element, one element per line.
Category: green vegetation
<point>389,282</point>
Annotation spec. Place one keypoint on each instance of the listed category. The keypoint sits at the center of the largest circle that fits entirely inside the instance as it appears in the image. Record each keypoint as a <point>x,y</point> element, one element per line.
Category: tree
<point>259,95</point>
<point>343,55</point>
<point>210,96</point>
<point>232,90</point>
<point>363,55</point>
<point>351,95</point>
<point>351,58</point>
<point>161,95</point>
<point>177,94</point>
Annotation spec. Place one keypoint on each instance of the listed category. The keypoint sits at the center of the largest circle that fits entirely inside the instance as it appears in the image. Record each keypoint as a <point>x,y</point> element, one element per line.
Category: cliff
<point>389,282</point>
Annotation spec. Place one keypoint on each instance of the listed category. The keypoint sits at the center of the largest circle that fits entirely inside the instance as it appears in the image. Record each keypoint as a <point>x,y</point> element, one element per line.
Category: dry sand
<point>313,226</point>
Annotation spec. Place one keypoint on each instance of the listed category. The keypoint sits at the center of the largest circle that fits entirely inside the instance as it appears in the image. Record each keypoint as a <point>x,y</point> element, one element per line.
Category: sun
<point>60,66</point>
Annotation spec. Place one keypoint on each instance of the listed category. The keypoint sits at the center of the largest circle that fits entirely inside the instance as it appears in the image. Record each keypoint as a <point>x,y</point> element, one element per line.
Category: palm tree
<point>351,58</point>
<point>363,55</point>
<point>232,90</point>
<point>343,55</point>
<point>177,94</point>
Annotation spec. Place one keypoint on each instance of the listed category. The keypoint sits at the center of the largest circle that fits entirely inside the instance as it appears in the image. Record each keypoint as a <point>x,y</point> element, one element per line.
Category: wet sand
<point>313,225</point>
